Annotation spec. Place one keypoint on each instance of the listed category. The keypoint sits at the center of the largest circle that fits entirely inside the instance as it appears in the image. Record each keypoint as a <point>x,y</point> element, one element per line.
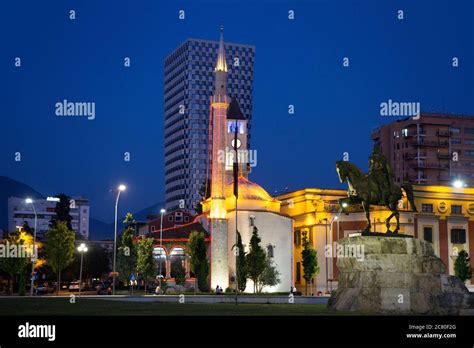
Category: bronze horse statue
<point>365,190</point>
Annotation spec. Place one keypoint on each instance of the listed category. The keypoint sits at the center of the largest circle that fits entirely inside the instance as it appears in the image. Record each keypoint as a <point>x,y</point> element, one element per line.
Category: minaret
<point>218,213</point>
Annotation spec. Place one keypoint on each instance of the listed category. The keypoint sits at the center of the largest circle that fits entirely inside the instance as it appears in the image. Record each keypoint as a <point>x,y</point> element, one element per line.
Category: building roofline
<point>316,190</point>
<point>429,114</point>
<point>189,39</point>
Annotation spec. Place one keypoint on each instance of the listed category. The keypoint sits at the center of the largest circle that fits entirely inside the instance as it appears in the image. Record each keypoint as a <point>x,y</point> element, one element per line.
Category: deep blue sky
<point>297,62</point>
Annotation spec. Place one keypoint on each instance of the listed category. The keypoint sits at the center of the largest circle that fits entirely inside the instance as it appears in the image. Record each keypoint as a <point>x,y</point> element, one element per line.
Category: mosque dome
<point>248,190</point>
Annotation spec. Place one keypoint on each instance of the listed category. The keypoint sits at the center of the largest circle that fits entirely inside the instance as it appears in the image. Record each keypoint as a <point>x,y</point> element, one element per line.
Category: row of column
<point>167,265</point>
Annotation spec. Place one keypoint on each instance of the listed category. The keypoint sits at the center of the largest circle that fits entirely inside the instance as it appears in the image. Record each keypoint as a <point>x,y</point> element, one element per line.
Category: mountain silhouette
<point>98,230</point>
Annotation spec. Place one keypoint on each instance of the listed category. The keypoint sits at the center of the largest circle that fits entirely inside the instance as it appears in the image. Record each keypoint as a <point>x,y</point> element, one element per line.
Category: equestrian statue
<point>377,187</point>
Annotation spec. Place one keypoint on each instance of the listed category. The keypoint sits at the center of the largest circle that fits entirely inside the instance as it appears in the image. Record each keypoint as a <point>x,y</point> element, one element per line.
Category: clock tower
<point>236,140</point>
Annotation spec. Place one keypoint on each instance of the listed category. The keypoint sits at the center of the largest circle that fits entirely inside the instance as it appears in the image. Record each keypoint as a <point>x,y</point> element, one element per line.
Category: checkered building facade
<point>188,86</point>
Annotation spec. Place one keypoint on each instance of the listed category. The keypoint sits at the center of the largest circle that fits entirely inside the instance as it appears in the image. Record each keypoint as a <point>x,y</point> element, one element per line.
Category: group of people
<point>219,290</point>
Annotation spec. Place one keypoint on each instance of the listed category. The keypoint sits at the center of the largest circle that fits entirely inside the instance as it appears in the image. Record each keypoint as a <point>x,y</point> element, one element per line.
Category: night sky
<point>298,62</point>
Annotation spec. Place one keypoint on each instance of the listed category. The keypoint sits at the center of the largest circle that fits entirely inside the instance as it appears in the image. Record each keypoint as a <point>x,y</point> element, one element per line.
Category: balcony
<point>443,178</point>
<point>415,134</point>
<point>415,178</point>
<point>443,155</point>
<point>443,133</point>
<point>413,155</point>
<point>430,143</point>
<point>431,165</point>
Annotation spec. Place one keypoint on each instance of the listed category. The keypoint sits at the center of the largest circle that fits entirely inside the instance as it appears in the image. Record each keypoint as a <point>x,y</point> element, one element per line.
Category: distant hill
<point>98,230</point>
<point>151,210</point>
<point>13,188</point>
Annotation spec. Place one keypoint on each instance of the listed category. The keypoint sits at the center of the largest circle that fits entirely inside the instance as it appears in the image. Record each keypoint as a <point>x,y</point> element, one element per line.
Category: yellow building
<point>445,217</point>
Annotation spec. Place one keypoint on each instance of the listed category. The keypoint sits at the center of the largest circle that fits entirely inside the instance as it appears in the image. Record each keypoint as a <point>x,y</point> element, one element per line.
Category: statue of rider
<point>380,170</point>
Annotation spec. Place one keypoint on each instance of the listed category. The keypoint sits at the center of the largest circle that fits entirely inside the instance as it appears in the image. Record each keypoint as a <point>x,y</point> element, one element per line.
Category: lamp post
<point>162,212</point>
<point>33,254</point>
<point>119,190</point>
<point>326,263</point>
<point>82,248</point>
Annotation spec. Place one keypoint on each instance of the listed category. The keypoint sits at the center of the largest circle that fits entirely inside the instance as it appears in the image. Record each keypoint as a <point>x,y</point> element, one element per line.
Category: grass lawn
<point>61,306</point>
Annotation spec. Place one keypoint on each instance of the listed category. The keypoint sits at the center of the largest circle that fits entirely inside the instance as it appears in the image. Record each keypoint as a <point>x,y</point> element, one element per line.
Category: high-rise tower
<point>189,79</point>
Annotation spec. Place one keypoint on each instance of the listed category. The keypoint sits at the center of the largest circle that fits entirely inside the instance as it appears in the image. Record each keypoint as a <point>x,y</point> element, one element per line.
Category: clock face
<point>238,143</point>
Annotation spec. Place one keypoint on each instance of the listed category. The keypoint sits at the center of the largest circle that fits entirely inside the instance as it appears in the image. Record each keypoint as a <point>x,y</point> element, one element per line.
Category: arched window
<point>177,252</point>
<point>177,262</point>
<point>252,220</point>
<point>270,250</point>
<point>159,254</point>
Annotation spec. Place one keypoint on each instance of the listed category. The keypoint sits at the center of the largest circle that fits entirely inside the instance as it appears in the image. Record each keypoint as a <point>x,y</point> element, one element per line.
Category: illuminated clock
<point>239,143</point>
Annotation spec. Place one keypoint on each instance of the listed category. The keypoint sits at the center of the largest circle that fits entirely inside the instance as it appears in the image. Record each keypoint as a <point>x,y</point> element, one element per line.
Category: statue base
<point>399,276</point>
<point>381,234</point>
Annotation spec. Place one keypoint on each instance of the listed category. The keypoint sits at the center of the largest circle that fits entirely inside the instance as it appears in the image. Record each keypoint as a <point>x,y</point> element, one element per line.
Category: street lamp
<point>33,254</point>
<point>119,190</point>
<point>326,262</point>
<point>162,212</point>
<point>82,248</point>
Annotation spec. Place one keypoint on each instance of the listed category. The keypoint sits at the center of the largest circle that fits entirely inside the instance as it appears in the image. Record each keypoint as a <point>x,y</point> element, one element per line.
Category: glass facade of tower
<point>188,86</point>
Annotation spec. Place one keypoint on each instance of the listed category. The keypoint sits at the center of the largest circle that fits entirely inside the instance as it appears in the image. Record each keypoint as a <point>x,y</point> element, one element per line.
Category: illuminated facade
<point>445,217</point>
<point>432,149</point>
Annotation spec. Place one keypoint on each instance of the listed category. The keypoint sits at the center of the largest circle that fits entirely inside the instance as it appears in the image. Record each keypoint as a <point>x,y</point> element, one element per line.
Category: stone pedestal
<point>396,275</point>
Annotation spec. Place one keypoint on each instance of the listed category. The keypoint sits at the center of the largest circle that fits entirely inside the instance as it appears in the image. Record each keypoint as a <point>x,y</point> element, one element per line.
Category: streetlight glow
<point>33,259</point>
<point>162,211</point>
<point>82,248</point>
<point>120,189</point>
<point>458,184</point>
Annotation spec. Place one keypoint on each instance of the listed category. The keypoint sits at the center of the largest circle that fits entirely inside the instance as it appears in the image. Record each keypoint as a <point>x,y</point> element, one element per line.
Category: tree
<point>62,209</point>
<point>178,272</point>
<point>127,251</point>
<point>255,260</point>
<point>197,251</point>
<point>145,260</point>
<point>270,275</point>
<point>13,264</point>
<point>462,266</point>
<point>310,261</point>
<point>241,263</point>
<point>59,248</point>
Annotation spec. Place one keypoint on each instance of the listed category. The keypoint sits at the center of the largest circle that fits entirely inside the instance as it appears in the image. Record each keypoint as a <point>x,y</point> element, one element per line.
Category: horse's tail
<point>408,188</point>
